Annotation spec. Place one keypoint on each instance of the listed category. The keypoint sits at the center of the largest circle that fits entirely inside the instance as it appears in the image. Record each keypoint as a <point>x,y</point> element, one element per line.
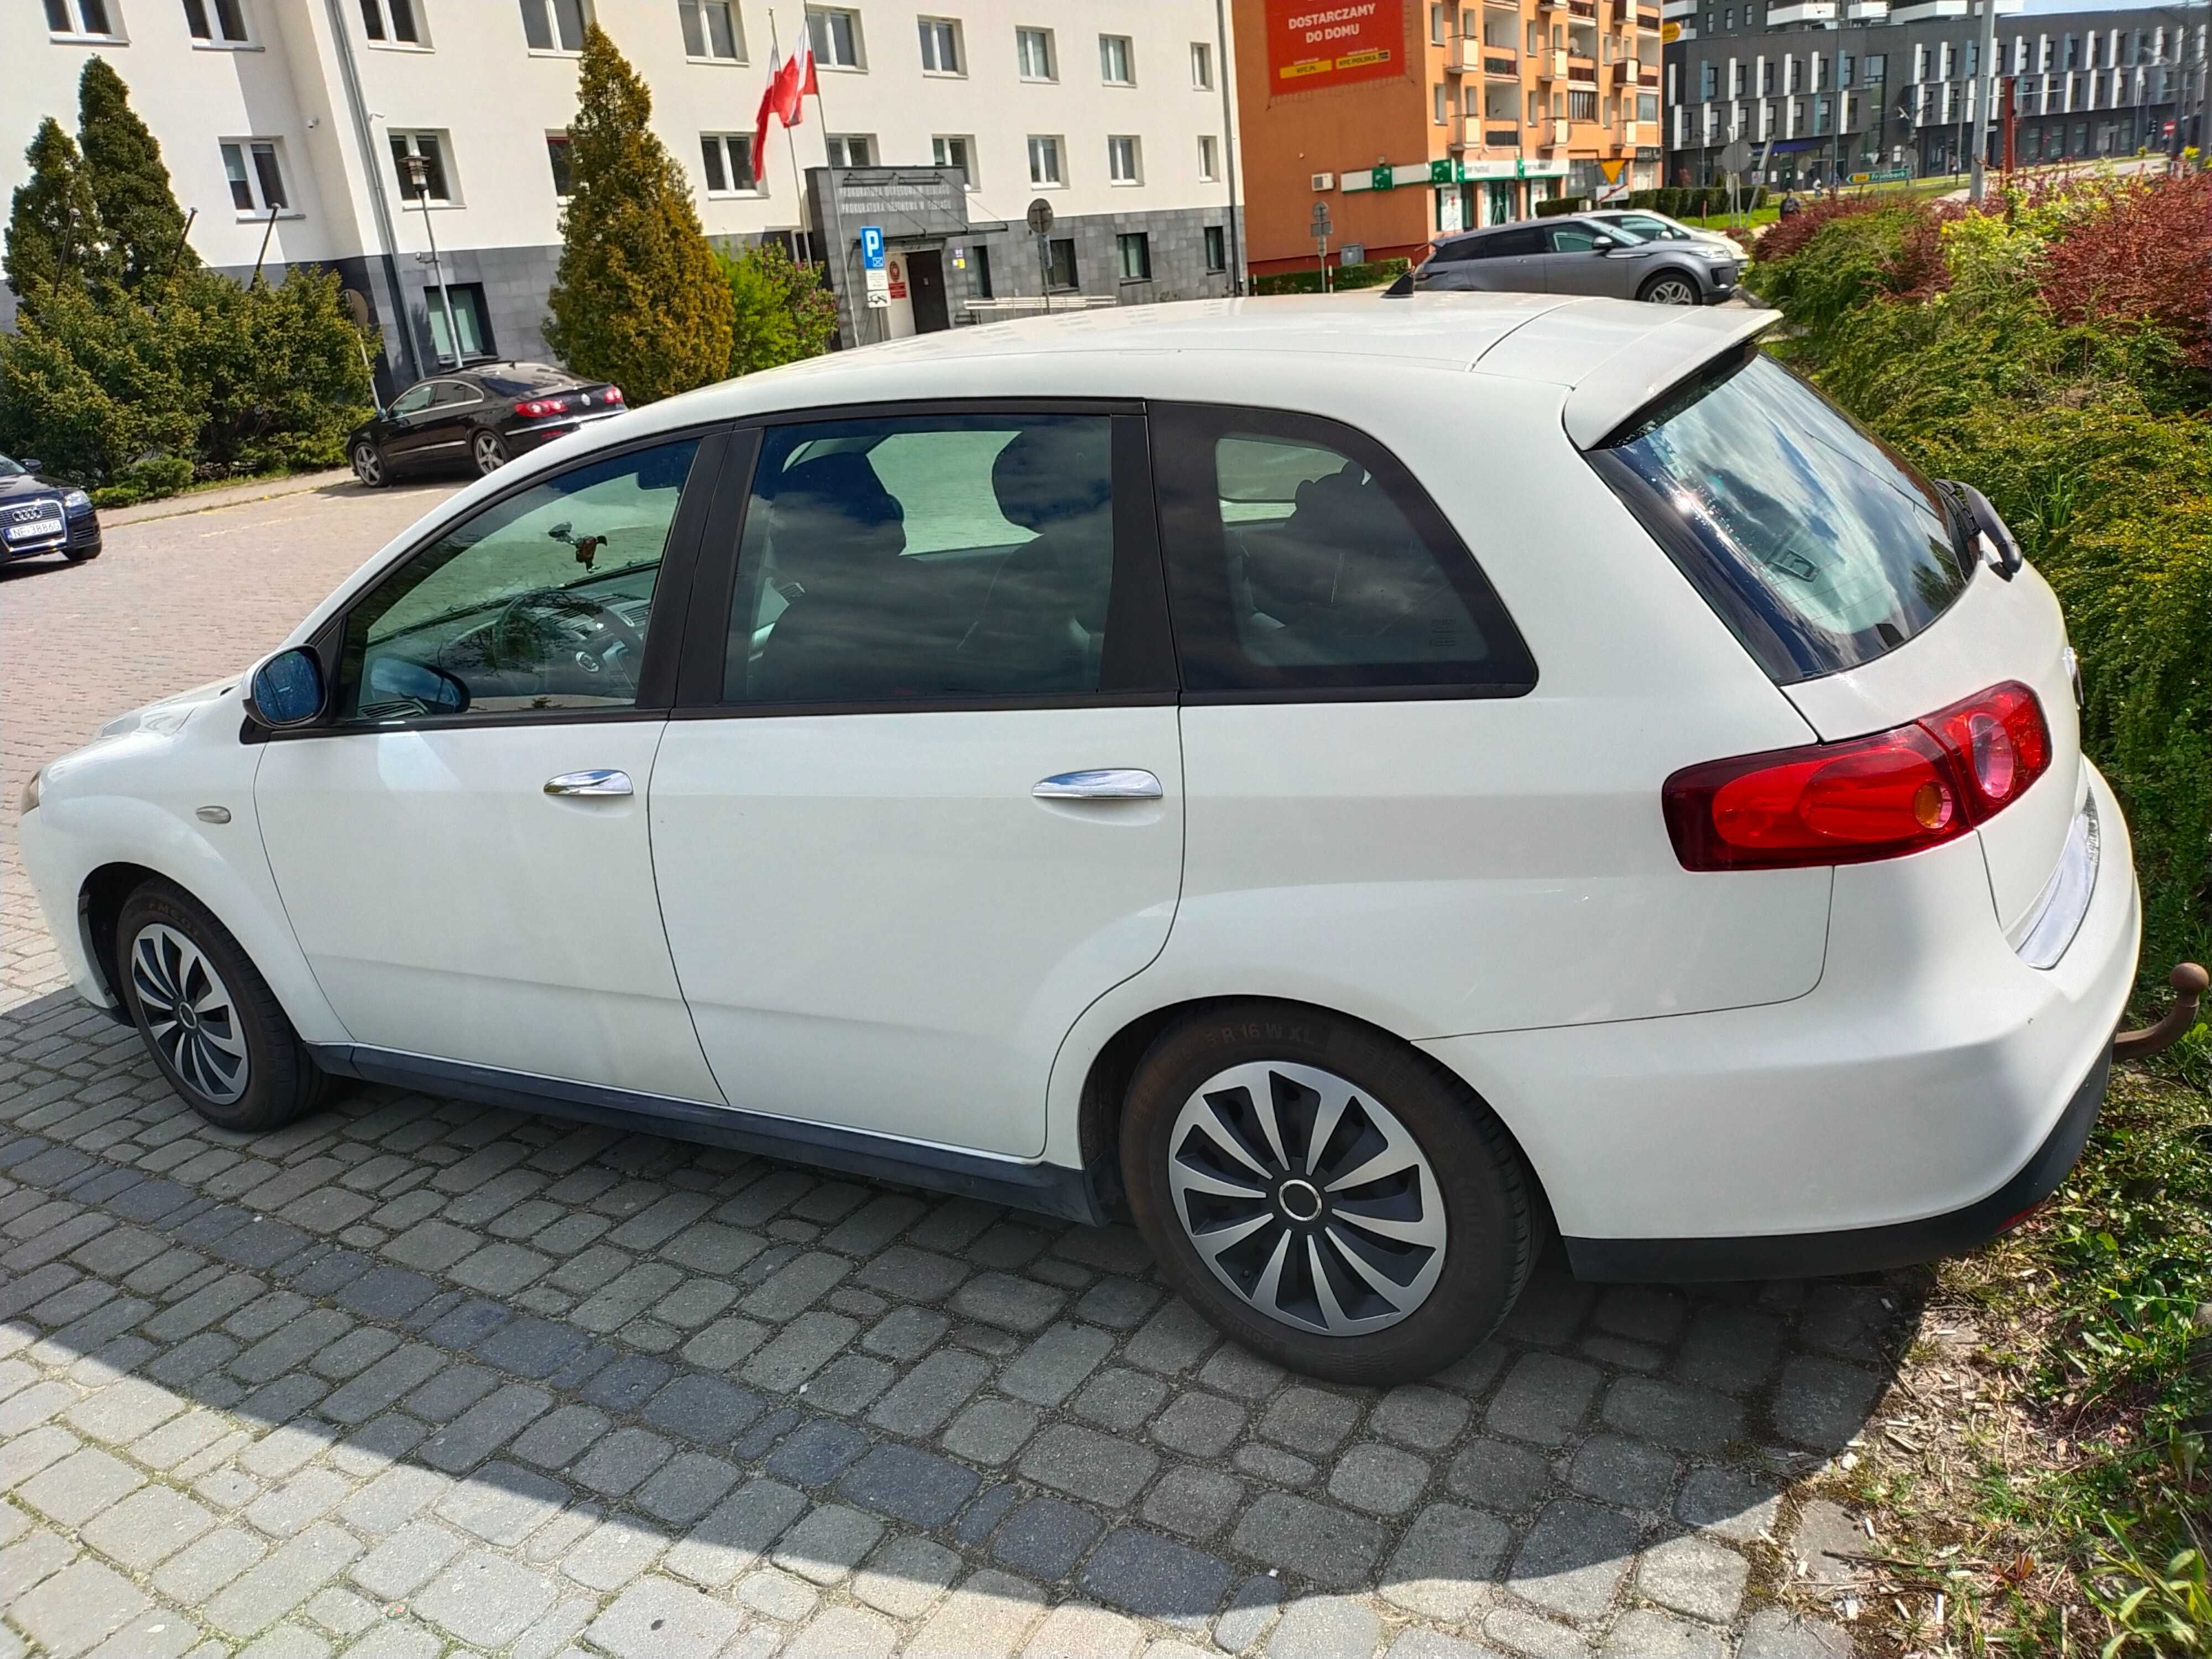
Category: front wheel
<point>1323,1195</point>
<point>1669,288</point>
<point>368,465</point>
<point>207,1015</point>
<point>489,451</point>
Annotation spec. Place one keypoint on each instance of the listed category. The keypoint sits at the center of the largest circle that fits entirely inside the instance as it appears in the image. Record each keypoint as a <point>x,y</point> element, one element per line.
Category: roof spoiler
<point>1615,394</point>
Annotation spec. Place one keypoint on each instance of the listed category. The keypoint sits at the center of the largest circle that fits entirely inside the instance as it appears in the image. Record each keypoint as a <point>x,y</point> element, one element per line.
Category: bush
<point>1374,274</point>
<point>782,312</point>
<point>1560,204</point>
<point>91,385</point>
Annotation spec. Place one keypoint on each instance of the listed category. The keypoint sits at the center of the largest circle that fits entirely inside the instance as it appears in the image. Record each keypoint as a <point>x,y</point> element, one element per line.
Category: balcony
<point>1581,71</point>
<point>1647,17</point>
<point>1551,63</point>
<point>1501,62</point>
<point>1487,137</point>
<point>1866,11</point>
<point>1464,55</point>
<point>1552,133</point>
<point>1803,11</point>
<point>1586,11</point>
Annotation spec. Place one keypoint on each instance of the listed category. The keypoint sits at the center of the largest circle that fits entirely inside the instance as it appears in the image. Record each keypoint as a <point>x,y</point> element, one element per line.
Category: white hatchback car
<point>1354,789</point>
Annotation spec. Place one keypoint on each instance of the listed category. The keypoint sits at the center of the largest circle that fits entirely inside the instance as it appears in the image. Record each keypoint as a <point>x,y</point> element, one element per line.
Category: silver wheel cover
<point>489,459</point>
<point>1307,1198</point>
<point>368,465</point>
<point>189,1012</point>
<point>1674,291</point>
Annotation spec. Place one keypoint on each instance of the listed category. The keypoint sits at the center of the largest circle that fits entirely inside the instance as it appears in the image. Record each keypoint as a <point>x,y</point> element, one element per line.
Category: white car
<point>1355,790</point>
<point>1648,226</point>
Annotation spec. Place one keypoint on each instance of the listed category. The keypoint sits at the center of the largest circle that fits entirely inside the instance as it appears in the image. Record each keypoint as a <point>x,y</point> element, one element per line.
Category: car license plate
<point>31,531</point>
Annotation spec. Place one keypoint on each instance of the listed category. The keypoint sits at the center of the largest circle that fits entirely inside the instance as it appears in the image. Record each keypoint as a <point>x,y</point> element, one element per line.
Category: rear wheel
<point>207,1015</point>
<point>489,451</point>
<point>1323,1195</point>
<point>1669,288</point>
<point>368,465</point>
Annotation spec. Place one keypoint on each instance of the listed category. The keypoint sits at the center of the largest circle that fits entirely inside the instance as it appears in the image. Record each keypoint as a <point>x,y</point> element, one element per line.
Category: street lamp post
<point>418,175</point>
<point>1985,81</point>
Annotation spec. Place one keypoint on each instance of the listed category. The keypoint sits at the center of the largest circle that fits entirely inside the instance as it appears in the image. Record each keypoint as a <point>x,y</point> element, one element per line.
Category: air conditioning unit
<point>1324,181</point>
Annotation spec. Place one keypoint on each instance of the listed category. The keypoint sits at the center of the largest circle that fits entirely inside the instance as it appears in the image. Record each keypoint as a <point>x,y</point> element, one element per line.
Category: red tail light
<point>614,394</point>
<point>536,408</point>
<point>1879,797</point>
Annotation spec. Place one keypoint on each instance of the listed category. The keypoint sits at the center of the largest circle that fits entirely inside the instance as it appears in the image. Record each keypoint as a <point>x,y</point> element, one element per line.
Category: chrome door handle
<point>1110,783</point>
<point>599,780</point>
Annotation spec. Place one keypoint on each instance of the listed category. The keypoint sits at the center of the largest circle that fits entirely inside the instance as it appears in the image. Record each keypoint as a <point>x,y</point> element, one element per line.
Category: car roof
<point>1600,349</point>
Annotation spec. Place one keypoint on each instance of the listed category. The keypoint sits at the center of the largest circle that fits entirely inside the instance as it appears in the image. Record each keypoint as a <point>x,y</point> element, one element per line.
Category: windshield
<point>8,469</point>
<point>1624,230</point>
<point>1817,543</point>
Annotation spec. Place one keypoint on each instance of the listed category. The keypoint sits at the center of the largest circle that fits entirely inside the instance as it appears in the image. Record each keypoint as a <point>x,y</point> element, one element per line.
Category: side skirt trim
<point>1049,1188</point>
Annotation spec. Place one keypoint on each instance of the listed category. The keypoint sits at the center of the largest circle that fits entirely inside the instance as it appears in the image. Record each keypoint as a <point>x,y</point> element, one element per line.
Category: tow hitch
<point>2189,981</point>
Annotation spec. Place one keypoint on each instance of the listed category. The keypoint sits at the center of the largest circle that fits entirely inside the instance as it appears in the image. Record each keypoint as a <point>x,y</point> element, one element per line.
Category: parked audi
<point>1577,254</point>
<point>477,419</point>
<point>44,515</point>
<point>1352,791</point>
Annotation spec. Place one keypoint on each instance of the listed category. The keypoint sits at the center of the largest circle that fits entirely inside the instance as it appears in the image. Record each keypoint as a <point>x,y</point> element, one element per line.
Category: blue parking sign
<point>871,247</point>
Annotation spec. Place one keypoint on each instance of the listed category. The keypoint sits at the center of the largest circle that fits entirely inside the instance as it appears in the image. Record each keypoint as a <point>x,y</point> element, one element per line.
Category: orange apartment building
<point>1410,118</point>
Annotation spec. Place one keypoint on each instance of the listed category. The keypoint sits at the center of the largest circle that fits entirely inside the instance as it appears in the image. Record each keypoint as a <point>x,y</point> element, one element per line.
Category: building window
<point>1439,104</point>
<point>1647,107</point>
<point>556,157</point>
<point>1582,106</point>
<point>728,157</point>
<point>1209,157</point>
<point>1135,248</point>
<point>83,20</point>
<point>851,150</point>
<point>431,147</point>
<point>1709,80</point>
<point>1033,52</point>
<point>1122,161</point>
<point>391,22</point>
<point>256,176</point>
<point>957,153</point>
<point>470,321</point>
<point>216,23</point>
<point>1201,66</point>
<point>941,46</point>
<point>1217,249</point>
<point>712,30</point>
<point>1877,66</point>
<point>555,25</point>
<point>835,38</point>
<point>1060,263</point>
<point>1044,161</point>
<point>1117,60</point>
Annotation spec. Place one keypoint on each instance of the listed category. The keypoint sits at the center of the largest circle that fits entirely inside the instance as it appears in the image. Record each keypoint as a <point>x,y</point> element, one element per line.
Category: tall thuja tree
<point>53,223</point>
<point>638,298</point>
<point>138,211</point>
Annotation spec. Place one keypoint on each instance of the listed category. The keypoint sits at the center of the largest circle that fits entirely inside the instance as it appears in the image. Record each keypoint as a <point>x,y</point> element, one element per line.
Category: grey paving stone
<point>620,1461</point>
<point>1235,1370</point>
<point>1309,1420</point>
<point>1199,1425</point>
<point>1574,1558</point>
<point>559,1439</point>
<point>1646,1313</point>
<point>1052,1366</point>
<point>793,1288</point>
<point>1118,1304</point>
<point>844,1633</point>
<point>991,1430</point>
<point>147,1527</point>
<point>907,1333</point>
<point>1266,1462</point>
<point>533,1347</point>
<point>1315,1541</point>
<point>736,1534</point>
<point>613,1553</point>
<point>1823,1543</point>
<point>79,1487</point>
<point>827,1543</point>
<point>1695,1576</point>
<point>799,1350</point>
<point>486,1599</point>
<point>628,1383</point>
<point>913,1275</point>
<point>1326,1627</point>
<point>818,1453</point>
<point>1156,1578</point>
<point>1012,1302</point>
<point>920,1402</point>
<point>980,1518</point>
<point>1045,1537</point>
<point>707,1409</point>
<point>1499,1476</point>
<point>1195,1503</point>
<point>1730,1347</point>
<point>1417,1642</point>
<point>1076,1630</point>
<point>1441,1567</point>
<point>1632,1475</point>
<point>1852,1321</point>
<point>1674,1414</point>
<point>1771,1633</point>
<point>1173,1339</point>
<point>1550,1309</point>
<point>1415,1415</point>
<point>906,1575</point>
<point>908,1485</point>
<point>1100,1467</point>
<point>200,1569</point>
<point>1542,1399</point>
<point>77,1608</point>
<point>288,1575</point>
<point>407,1559</point>
<point>1253,1606</point>
<point>1823,1402</point>
<point>1732,1502</point>
<point>686,1487</point>
<point>484,1427</point>
<point>1381,1479</point>
<point>1643,1634</point>
<point>503,1504</point>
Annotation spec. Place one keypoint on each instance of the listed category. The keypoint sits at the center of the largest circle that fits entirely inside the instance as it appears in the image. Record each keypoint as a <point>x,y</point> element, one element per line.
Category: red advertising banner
<point>1331,43</point>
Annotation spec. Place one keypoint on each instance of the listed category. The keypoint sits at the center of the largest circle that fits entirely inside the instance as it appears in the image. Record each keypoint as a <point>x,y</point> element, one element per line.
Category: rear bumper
<point>1931,1085</point>
<point>522,439</point>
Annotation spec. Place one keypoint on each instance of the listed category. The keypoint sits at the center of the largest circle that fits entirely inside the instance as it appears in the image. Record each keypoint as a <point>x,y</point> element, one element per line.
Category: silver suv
<point>1574,254</point>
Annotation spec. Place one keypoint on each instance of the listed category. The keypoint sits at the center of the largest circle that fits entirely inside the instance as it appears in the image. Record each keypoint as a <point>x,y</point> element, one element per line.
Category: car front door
<point>404,420</point>
<point>461,844</point>
<point>924,803</point>
<point>1576,263</point>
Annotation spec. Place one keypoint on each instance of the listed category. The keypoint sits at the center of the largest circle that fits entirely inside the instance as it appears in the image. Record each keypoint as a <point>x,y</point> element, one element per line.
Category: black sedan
<point>43,515</point>
<point>478,418</point>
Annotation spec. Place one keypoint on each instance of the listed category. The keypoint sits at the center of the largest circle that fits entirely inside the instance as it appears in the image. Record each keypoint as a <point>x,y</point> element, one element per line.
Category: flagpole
<point>798,179</point>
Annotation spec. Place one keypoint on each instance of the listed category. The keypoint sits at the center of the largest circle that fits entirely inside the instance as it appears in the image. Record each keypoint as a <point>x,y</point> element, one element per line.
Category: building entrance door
<point>1503,209</point>
<point>925,275</point>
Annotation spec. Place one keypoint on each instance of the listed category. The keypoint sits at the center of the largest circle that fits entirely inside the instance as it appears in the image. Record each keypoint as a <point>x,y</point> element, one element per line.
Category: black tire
<point>488,451</point>
<point>79,555</point>
<point>1483,1191</point>
<point>280,1081</point>
<point>1665,287</point>
<point>370,466</point>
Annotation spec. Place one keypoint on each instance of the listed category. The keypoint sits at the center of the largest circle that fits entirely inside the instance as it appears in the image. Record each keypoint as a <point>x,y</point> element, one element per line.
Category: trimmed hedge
<point>1374,274</point>
<point>1552,209</point>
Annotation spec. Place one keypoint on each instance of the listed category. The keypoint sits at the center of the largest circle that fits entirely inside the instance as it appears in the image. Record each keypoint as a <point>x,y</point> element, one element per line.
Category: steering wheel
<point>535,628</point>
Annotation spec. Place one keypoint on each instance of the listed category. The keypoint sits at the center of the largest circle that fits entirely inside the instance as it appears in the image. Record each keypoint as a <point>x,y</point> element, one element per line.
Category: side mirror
<point>29,465</point>
<point>287,689</point>
<point>432,690</point>
<point>1603,244</point>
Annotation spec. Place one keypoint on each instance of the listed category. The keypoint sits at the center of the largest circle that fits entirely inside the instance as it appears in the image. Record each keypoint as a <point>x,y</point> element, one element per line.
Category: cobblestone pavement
<point>415,1377</point>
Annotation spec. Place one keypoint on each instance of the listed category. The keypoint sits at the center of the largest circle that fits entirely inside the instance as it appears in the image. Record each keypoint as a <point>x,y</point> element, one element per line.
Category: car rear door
<point>922,802</point>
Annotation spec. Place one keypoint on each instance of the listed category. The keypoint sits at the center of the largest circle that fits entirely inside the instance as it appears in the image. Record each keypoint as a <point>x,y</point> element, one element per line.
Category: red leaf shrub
<point>2143,250</point>
<point>1786,236</point>
<point>1918,270</point>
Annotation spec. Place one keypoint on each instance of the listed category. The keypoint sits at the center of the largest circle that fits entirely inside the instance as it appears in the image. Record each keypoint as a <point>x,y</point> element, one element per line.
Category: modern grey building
<point>1839,87</point>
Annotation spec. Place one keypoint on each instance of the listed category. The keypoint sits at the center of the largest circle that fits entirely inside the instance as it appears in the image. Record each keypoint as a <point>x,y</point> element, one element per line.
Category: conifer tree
<point>138,212</point>
<point>53,224</point>
<point>637,299</point>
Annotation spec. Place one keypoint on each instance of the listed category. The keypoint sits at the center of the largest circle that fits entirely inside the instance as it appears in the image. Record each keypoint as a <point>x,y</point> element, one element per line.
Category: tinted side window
<point>926,557</point>
<point>415,398</point>
<point>1508,243</point>
<point>1572,239</point>
<point>1302,557</point>
<point>539,601</point>
<point>1452,253</point>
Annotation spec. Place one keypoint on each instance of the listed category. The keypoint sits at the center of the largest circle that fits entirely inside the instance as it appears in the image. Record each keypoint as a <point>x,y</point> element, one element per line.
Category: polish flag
<point>788,83</point>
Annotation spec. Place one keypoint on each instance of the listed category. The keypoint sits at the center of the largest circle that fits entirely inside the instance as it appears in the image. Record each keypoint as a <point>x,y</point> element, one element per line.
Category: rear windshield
<point>1817,544</point>
<point>514,379</point>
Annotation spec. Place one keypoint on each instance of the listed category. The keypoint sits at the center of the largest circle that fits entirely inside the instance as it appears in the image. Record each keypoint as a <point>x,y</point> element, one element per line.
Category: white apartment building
<point>286,126</point>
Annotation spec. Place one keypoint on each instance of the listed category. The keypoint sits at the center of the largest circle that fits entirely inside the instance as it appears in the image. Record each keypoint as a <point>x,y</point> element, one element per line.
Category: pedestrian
<point>1791,204</point>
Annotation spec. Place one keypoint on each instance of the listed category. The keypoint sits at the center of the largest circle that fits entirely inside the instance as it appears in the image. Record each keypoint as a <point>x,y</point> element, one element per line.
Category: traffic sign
<point>1322,224</point>
<point>1735,155</point>
<point>1040,216</point>
<point>871,247</point>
